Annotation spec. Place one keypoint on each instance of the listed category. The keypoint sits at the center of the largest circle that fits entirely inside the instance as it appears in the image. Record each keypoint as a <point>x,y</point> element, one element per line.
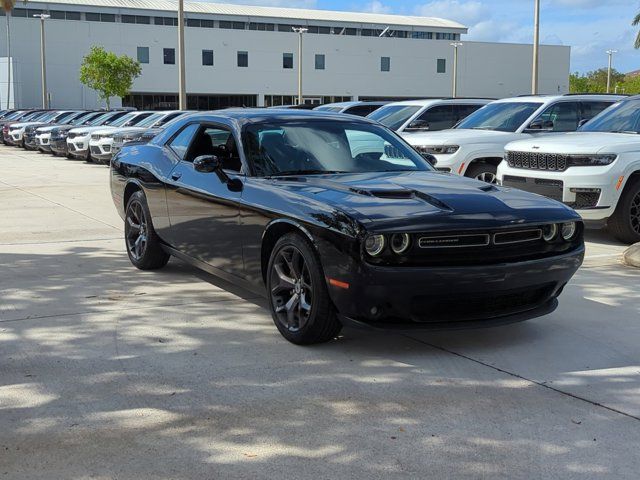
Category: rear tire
<point>483,171</point>
<point>300,304</point>
<point>624,224</point>
<point>143,244</point>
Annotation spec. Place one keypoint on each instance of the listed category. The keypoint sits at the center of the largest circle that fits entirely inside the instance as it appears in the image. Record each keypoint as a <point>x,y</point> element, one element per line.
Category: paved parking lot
<point>107,372</point>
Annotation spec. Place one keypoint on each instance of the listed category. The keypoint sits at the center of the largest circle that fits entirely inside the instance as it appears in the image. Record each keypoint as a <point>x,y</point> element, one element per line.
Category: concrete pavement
<point>107,372</point>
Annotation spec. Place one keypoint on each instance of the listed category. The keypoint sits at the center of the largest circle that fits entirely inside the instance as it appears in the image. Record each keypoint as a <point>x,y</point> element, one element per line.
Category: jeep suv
<point>595,170</point>
<point>475,147</point>
<point>430,115</point>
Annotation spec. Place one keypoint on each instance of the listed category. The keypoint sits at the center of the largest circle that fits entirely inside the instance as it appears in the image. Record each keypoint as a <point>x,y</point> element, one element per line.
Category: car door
<point>203,211</point>
<point>564,117</point>
<point>439,117</point>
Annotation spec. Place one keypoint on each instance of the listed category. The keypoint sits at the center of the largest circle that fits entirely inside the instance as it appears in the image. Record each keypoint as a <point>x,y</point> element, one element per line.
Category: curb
<point>632,255</point>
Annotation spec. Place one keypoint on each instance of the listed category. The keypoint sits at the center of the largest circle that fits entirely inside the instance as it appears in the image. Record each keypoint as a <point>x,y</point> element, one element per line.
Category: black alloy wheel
<point>624,224</point>
<point>143,244</point>
<point>485,172</point>
<point>300,304</point>
<point>291,289</point>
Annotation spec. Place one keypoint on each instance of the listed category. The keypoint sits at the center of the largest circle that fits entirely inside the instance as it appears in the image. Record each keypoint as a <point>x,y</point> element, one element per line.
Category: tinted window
<point>385,64</point>
<point>168,118</point>
<point>320,60</point>
<point>284,148</point>
<point>180,142</point>
<point>591,109</point>
<point>501,116</point>
<point>287,60</point>
<point>361,110</point>
<point>215,141</point>
<point>143,54</point>
<point>441,65</point>
<point>243,59</point>
<point>169,56</point>
<point>465,110</point>
<point>622,117</point>
<point>436,118</point>
<point>564,115</point>
<point>394,116</point>
<point>207,58</point>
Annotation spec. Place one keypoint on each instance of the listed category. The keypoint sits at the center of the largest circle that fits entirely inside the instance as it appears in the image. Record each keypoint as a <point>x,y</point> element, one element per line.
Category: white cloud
<point>466,12</point>
<point>376,6</point>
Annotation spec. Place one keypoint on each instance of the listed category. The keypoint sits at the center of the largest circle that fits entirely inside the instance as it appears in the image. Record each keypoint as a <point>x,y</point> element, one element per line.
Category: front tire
<point>298,296</point>
<point>143,244</point>
<point>485,172</point>
<point>624,224</point>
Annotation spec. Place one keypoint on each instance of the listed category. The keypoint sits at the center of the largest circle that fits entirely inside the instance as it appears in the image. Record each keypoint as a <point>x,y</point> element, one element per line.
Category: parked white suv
<point>429,115</point>
<point>595,170</point>
<point>475,147</point>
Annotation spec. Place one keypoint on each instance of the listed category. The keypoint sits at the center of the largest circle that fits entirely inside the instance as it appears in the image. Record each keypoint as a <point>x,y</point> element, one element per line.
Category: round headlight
<point>549,232</point>
<point>568,230</point>
<point>400,242</point>
<point>374,244</point>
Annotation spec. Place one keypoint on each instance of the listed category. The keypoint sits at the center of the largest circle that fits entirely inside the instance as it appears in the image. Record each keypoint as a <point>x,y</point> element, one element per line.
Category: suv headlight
<point>590,160</point>
<point>438,149</point>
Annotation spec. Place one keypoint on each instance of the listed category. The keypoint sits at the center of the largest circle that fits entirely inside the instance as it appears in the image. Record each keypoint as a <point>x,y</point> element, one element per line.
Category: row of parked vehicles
<point>582,150</point>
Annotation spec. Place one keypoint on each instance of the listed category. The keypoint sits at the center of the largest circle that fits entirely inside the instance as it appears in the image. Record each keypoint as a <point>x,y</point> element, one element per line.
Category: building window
<point>232,25</point>
<point>442,65</point>
<point>319,61</point>
<point>169,55</point>
<point>143,54</point>
<point>173,22</point>
<point>100,17</point>
<point>243,59</point>
<point>207,58</point>
<point>287,60</point>
<point>385,64</point>
<point>57,14</point>
<point>73,15</point>
<point>262,27</point>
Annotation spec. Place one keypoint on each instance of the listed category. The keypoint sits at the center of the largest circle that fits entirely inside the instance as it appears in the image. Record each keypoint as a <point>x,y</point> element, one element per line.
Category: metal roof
<point>270,12</point>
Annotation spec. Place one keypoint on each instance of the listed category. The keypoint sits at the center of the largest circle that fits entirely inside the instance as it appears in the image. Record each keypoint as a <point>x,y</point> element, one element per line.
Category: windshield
<point>394,116</point>
<point>500,116</point>
<point>329,109</point>
<point>72,118</point>
<point>122,120</point>
<point>101,119</point>
<point>623,117</point>
<point>321,147</point>
<point>151,119</point>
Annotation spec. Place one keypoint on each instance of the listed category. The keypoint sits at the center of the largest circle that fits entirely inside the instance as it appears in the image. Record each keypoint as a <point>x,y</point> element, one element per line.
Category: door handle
<point>176,175</point>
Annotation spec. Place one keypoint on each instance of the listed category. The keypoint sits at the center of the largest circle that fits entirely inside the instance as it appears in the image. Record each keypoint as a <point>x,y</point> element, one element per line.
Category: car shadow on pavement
<point>112,372</point>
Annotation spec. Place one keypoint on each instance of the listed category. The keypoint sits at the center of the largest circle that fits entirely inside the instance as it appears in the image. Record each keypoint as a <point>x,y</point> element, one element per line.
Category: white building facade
<point>239,55</point>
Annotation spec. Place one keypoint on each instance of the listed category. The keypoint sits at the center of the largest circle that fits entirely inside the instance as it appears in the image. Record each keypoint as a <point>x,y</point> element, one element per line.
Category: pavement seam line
<point>100,312</point>
<point>59,204</point>
<point>87,240</point>
<point>520,377</point>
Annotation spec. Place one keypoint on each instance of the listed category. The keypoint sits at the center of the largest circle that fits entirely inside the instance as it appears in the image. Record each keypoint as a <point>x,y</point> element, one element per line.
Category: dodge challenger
<point>337,220</point>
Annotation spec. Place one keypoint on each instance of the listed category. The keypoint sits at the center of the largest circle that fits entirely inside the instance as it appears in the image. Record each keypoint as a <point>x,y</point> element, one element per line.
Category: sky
<point>590,27</point>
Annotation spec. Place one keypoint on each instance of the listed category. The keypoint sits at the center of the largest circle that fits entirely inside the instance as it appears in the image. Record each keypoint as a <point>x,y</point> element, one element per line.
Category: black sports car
<point>341,221</point>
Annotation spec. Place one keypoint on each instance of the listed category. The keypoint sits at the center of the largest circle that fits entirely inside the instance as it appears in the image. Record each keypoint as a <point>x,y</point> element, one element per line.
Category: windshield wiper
<point>482,128</point>
<point>289,173</point>
<point>624,131</point>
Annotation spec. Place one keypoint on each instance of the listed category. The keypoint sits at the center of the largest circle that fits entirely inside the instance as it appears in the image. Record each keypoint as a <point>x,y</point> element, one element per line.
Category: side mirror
<point>541,125</point>
<point>419,125</point>
<point>430,158</point>
<point>212,164</point>
<point>582,122</point>
<point>207,164</point>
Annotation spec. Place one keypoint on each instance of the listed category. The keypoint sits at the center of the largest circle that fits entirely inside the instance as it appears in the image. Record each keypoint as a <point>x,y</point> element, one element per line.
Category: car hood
<point>85,130</point>
<point>460,137</point>
<point>25,124</point>
<point>45,129</point>
<point>128,130</point>
<point>418,201</point>
<point>580,143</point>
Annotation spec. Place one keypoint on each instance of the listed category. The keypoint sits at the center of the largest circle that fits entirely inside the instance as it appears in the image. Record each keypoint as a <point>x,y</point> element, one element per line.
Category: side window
<point>564,115</point>
<point>361,110</point>
<point>215,141</point>
<point>591,109</point>
<point>180,142</point>
<point>436,118</point>
<point>465,110</point>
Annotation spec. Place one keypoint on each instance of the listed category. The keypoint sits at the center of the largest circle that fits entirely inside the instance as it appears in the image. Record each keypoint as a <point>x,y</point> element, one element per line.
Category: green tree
<point>109,74</point>
<point>635,23</point>
<point>595,81</point>
<point>630,86</point>
<point>578,83</point>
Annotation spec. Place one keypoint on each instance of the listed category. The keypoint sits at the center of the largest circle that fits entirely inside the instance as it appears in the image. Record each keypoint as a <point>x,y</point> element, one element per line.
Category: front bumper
<point>592,191</point>
<point>454,297</point>
<point>101,149</point>
<point>78,146</point>
<point>59,145</point>
<point>43,142</point>
<point>29,141</point>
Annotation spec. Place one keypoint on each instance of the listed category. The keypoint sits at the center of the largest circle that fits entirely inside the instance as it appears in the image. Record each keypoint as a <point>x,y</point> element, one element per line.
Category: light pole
<point>182,87</point>
<point>300,31</point>
<point>43,60</point>
<point>536,46</point>
<point>610,53</point>
<point>455,46</point>
<point>9,64</point>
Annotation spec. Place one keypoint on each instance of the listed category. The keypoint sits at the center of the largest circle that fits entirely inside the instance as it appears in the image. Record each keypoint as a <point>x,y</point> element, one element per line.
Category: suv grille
<point>537,161</point>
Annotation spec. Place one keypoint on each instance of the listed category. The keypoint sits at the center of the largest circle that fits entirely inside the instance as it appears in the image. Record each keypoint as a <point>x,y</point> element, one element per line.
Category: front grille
<point>454,241</point>
<point>520,236</point>
<point>72,147</point>
<point>586,200</point>
<point>548,188</point>
<point>452,308</point>
<point>95,150</point>
<point>71,136</point>
<point>537,161</point>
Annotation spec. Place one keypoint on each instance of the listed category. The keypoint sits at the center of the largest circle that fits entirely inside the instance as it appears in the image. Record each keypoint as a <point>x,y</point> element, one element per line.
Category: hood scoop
<point>489,188</point>
<point>400,194</point>
<point>403,194</point>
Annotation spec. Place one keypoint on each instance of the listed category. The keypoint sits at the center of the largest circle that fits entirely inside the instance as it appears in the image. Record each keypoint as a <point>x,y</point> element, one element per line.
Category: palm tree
<point>636,22</point>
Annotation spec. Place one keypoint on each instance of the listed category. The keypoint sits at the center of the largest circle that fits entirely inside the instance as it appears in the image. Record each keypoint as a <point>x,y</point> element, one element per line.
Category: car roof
<point>423,102</point>
<point>352,104</point>
<point>242,116</point>
<point>553,98</point>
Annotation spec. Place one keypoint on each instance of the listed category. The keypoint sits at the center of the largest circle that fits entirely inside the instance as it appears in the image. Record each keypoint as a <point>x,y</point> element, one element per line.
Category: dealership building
<point>239,55</point>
